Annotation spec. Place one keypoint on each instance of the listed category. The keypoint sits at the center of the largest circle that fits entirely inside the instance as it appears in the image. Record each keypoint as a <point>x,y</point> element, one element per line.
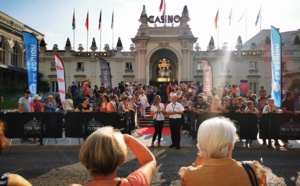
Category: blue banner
<point>276,66</point>
<point>32,58</point>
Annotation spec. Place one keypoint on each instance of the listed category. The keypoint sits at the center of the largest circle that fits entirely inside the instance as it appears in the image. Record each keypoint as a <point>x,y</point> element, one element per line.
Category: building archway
<point>163,67</point>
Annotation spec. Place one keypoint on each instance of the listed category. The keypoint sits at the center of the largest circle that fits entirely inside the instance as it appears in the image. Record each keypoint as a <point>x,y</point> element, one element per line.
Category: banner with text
<point>207,76</point>
<point>276,66</point>
<point>32,58</point>
<point>105,73</point>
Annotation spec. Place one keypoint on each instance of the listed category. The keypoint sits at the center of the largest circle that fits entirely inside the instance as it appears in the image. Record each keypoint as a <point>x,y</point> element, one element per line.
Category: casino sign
<point>164,19</point>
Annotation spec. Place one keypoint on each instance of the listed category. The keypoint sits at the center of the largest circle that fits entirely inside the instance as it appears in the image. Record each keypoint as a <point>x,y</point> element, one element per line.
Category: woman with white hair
<point>214,164</point>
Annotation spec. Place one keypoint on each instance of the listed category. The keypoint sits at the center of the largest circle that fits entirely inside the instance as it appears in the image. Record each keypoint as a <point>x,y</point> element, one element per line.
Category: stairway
<point>147,121</point>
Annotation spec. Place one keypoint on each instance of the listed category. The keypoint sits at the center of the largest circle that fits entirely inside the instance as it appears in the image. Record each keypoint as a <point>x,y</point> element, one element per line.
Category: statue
<point>185,11</point>
<point>144,14</point>
<point>164,70</point>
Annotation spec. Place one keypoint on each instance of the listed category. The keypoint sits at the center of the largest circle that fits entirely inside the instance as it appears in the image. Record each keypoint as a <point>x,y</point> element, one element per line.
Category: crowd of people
<point>215,136</point>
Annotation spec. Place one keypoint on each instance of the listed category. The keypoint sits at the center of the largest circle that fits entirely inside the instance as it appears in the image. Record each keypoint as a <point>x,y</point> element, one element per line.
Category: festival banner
<point>105,73</point>
<point>276,66</point>
<point>207,76</point>
<point>60,73</point>
<point>32,61</point>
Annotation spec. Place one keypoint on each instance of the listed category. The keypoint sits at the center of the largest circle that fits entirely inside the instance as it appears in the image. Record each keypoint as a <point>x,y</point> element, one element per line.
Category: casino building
<point>159,54</point>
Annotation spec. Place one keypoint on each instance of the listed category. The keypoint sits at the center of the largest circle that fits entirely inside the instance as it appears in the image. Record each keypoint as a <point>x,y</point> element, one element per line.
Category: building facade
<point>160,55</point>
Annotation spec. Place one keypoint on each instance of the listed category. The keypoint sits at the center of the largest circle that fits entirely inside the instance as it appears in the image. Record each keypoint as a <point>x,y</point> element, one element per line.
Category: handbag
<point>250,173</point>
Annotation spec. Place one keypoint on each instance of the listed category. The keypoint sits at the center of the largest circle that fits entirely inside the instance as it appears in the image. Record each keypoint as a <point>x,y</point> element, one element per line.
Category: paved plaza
<point>57,162</point>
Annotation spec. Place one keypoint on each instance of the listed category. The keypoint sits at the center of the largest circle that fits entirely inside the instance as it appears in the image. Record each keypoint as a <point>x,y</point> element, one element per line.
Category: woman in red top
<point>106,105</point>
<point>36,106</point>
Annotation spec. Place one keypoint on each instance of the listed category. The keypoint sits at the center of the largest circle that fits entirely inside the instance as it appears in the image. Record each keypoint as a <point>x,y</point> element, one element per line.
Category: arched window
<point>14,56</point>
<point>2,52</point>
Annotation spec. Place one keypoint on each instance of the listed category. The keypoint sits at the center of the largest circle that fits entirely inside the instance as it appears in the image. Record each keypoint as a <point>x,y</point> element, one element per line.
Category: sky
<point>54,19</point>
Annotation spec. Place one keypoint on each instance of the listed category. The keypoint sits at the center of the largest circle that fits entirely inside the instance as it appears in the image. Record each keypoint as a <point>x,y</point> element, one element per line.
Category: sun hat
<point>36,97</point>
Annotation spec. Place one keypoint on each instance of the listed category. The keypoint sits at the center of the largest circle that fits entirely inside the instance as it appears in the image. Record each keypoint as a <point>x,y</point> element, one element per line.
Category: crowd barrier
<point>80,125</point>
<point>268,126</point>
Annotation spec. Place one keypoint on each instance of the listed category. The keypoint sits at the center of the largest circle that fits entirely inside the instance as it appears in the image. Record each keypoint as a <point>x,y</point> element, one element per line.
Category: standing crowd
<point>215,136</point>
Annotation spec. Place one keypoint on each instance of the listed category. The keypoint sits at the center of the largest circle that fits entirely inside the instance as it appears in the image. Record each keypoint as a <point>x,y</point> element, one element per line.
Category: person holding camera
<point>157,111</point>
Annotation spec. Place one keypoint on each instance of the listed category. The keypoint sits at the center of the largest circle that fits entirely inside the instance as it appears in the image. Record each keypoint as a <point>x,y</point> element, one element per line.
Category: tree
<point>68,43</point>
<point>297,40</point>
<point>267,41</point>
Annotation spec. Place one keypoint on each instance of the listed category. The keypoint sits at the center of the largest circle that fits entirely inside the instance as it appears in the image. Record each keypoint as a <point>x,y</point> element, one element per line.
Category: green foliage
<point>43,86</point>
<point>9,90</point>
<point>9,104</point>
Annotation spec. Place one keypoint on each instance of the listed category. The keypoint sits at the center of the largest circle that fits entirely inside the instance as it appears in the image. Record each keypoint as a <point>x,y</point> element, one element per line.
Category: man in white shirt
<point>175,111</point>
<point>24,103</point>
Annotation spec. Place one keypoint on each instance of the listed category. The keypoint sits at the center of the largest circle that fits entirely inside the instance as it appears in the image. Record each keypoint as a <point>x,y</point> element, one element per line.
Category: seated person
<point>103,162</point>
<point>7,178</point>
<point>214,164</point>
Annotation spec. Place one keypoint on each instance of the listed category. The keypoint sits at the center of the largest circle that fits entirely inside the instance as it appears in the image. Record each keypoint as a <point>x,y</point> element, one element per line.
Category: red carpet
<point>150,130</point>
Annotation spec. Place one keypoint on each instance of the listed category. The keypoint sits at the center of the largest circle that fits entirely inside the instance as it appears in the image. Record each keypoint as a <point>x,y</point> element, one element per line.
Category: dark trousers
<point>175,125</point>
<point>158,130</point>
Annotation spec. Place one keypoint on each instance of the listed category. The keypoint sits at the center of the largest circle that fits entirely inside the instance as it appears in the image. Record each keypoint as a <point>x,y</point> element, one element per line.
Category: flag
<point>230,17</point>
<point>32,61</point>
<point>161,5</point>
<point>87,21</point>
<point>216,19</point>
<point>112,21</point>
<point>60,74</point>
<point>242,16</point>
<point>276,66</point>
<point>257,18</point>
<point>99,26</point>
<point>73,21</point>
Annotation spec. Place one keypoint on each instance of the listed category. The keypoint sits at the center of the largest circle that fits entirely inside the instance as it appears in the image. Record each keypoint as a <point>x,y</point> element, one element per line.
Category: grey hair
<point>214,137</point>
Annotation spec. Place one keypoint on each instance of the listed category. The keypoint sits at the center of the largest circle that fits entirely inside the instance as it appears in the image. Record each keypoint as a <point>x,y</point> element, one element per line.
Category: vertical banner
<point>276,66</point>
<point>32,61</point>
<point>60,73</point>
<point>105,73</point>
<point>207,76</point>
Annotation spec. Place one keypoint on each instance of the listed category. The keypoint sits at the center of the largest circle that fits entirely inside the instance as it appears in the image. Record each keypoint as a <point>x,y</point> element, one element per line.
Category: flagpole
<point>218,28</point>
<point>100,39</point>
<point>74,39</point>
<point>112,27</point>
<point>260,18</point>
<point>100,23</point>
<point>74,27</point>
<point>246,30</point>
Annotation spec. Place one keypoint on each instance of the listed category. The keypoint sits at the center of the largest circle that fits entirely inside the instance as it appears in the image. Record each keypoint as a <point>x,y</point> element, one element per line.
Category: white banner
<point>207,77</point>
<point>60,73</point>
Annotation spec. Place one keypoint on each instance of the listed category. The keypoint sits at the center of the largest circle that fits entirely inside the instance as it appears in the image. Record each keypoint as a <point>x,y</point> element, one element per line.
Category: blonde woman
<point>214,164</point>
<point>157,111</point>
<point>106,149</point>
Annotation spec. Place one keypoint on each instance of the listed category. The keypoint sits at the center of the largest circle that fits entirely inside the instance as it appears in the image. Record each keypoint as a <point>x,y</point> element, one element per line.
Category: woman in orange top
<point>106,149</point>
<point>106,105</point>
<point>216,138</point>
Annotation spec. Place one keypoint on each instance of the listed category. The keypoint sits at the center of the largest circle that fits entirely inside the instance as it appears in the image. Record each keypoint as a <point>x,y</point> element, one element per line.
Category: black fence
<point>269,126</point>
<point>80,125</point>
<point>50,125</point>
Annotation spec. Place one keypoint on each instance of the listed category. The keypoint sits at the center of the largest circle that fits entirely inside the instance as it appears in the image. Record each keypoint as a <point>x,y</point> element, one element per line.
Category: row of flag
<point>230,16</point>
<point>87,21</point>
